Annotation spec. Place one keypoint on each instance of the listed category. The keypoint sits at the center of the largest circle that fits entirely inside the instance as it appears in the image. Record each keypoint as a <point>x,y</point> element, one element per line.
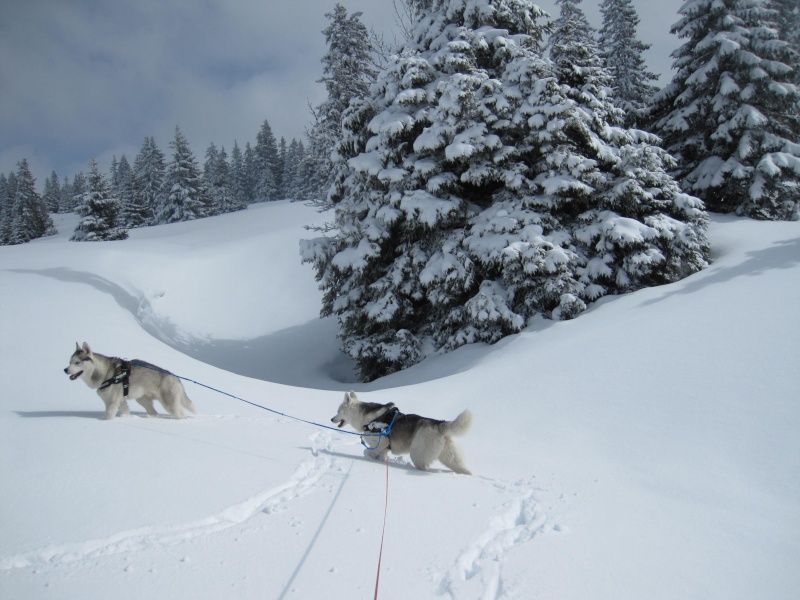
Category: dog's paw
<point>374,455</point>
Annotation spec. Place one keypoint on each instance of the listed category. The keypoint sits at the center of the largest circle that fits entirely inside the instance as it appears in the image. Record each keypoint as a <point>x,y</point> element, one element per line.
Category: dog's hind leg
<point>147,403</point>
<point>452,458</point>
<point>173,405</point>
<point>172,396</point>
<point>426,448</point>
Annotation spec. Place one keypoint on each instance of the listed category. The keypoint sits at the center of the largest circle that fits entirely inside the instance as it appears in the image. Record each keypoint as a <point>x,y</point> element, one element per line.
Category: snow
<point>649,448</point>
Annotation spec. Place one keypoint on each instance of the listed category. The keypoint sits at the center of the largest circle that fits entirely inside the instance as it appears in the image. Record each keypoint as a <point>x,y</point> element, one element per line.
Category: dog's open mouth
<point>341,423</point>
<point>74,376</point>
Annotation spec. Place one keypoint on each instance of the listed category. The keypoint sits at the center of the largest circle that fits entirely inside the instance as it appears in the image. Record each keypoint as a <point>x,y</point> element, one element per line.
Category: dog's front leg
<point>124,409</point>
<point>112,401</point>
<point>378,453</point>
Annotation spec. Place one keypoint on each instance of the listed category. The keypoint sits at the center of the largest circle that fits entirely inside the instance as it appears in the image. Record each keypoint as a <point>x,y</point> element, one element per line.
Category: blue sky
<point>82,78</point>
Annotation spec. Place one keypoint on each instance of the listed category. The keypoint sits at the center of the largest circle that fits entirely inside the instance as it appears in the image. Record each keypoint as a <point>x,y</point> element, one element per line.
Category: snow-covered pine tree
<point>787,22</point>
<point>731,115</point>
<point>76,192</point>
<point>621,52</point>
<point>5,210</point>
<point>630,222</point>
<point>219,181</point>
<point>112,175</point>
<point>229,199</point>
<point>238,177</point>
<point>573,49</point>
<point>317,163</point>
<point>482,191</point>
<point>347,72</point>
<point>283,150</point>
<point>65,197</point>
<point>148,179</point>
<point>214,186</point>
<point>133,211</point>
<point>266,165</point>
<point>292,165</point>
<point>184,194</point>
<point>29,217</point>
<point>99,211</point>
<point>415,163</point>
<point>250,173</point>
<point>51,196</point>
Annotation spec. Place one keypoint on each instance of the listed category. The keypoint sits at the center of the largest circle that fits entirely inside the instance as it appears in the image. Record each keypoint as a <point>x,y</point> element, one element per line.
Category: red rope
<point>383,533</point>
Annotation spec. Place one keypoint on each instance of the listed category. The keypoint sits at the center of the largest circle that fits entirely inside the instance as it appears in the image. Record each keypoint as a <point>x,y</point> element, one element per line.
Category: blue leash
<point>140,363</point>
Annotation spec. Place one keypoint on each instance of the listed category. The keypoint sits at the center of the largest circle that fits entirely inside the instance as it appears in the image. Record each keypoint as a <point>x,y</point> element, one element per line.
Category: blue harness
<point>381,429</point>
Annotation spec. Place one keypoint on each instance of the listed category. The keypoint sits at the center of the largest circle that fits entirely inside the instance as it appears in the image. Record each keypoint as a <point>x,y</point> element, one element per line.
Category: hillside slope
<point>648,449</point>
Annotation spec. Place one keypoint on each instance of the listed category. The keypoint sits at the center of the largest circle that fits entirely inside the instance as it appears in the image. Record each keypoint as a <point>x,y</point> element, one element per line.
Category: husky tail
<point>460,425</point>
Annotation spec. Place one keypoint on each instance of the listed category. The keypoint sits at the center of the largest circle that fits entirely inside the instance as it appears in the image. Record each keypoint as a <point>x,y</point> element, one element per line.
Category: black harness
<point>121,375</point>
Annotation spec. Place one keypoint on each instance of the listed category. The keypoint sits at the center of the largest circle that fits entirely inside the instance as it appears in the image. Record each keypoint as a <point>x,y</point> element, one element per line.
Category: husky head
<point>358,414</point>
<point>78,361</point>
<point>345,413</point>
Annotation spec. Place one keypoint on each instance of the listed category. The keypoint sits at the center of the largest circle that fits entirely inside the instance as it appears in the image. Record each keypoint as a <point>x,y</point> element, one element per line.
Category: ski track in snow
<point>478,569</point>
<point>475,573</point>
<point>304,480</point>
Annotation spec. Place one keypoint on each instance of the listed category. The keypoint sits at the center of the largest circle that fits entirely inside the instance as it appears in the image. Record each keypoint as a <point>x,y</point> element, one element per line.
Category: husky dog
<point>115,380</point>
<point>424,439</point>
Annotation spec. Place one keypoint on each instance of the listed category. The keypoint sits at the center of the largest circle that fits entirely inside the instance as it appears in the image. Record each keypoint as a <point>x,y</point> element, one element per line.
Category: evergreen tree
<point>215,186</point>
<point>76,191</point>
<point>250,163</point>
<point>29,218</point>
<point>572,47</point>
<point>730,115</point>
<point>622,54</point>
<point>52,193</point>
<point>293,171</point>
<point>283,150</point>
<point>6,196</point>
<point>148,180</point>
<point>133,212</point>
<point>99,211</point>
<point>65,197</point>
<point>8,225</point>
<point>184,196</point>
<point>238,177</point>
<point>218,177</point>
<point>318,165</point>
<point>481,191</point>
<point>787,21</point>
<point>112,174</point>
<point>347,73</point>
<point>266,167</point>
<point>228,200</point>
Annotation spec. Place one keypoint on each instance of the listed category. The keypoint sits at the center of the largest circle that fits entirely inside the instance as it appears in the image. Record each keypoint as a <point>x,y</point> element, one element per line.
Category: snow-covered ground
<point>649,449</point>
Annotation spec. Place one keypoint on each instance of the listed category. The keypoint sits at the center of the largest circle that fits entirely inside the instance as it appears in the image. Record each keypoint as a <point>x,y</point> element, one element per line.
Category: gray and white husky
<point>116,380</point>
<point>424,439</point>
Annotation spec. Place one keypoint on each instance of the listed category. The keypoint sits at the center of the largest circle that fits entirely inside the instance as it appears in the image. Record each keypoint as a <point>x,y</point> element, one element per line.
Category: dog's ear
<point>86,348</point>
<point>77,347</point>
<point>351,396</point>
